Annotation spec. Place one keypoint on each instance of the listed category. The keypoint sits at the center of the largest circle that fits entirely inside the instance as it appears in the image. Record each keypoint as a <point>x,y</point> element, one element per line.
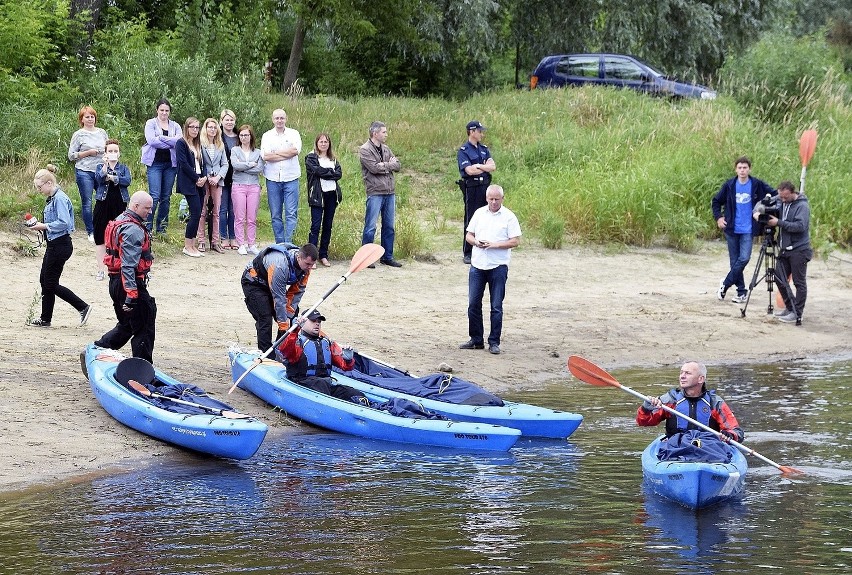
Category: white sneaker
<point>739,298</point>
<point>243,251</point>
<point>254,250</point>
<point>722,289</point>
<point>92,238</point>
<point>789,317</point>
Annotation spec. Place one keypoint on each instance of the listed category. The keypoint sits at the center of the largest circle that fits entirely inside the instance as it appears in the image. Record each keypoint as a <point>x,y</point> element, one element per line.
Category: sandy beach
<point>617,306</point>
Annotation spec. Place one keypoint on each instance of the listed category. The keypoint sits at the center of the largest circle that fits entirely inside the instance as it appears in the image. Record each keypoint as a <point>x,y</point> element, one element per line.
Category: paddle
<point>807,147</point>
<point>366,255</point>
<point>145,392</point>
<point>586,371</point>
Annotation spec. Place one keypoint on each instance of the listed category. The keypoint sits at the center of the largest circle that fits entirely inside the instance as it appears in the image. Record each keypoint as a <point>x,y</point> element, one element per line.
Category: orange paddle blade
<point>586,371</point>
<point>366,255</point>
<point>807,146</point>
<point>786,470</point>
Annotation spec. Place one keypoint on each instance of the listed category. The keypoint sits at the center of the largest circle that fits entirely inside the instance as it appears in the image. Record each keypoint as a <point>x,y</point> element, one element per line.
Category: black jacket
<point>315,173</point>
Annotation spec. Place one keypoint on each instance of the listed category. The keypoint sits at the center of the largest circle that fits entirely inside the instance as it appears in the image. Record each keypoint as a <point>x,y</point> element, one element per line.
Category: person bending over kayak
<point>309,355</point>
<point>694,400</point>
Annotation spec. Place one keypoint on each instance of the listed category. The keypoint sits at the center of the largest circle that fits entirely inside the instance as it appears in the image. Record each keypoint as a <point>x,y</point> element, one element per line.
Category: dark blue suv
<point>614,70</point>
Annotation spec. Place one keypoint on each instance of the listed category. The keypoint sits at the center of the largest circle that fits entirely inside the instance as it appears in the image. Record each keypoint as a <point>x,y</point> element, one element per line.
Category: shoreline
<point>617,306</point>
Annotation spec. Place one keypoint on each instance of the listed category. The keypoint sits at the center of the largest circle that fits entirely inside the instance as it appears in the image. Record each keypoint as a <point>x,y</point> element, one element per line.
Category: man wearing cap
<point>475,167</point>
<point>273,284</point>
<point>309,355</point>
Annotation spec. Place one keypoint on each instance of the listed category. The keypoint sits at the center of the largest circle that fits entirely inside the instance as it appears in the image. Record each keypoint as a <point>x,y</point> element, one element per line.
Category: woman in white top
<point>247,163</point>
<point>323,174</point>
<point>216,167</point>
<point>86,151</point>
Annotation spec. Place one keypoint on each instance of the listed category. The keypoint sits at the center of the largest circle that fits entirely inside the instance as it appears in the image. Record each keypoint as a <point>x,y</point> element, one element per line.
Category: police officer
<point>273,284</point>
<point>475,167</point>
<point>128,260</point>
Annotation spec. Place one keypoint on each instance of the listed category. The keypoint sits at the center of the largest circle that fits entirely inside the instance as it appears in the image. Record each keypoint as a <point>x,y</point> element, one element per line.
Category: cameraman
<point>794,250</point>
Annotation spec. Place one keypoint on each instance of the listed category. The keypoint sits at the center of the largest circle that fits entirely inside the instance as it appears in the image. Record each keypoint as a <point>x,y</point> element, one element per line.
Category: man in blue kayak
<point>309,355</point>
<point>694,400</point>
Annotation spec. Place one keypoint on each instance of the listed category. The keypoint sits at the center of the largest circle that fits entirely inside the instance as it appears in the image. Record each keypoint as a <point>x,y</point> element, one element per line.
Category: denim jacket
<point>101,183</point>
<point>58,215</point>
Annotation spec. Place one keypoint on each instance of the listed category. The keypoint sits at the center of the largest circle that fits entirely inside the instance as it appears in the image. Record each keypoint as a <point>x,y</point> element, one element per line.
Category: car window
<point>621,69</point>
<point>582,66</point>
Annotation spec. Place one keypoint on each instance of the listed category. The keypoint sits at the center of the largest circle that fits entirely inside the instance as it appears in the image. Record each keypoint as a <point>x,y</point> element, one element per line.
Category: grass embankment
<point>581,165</point>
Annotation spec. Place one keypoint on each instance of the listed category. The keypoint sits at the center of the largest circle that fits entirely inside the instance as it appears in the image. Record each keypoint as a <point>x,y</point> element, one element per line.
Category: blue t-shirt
<point>742,217</point>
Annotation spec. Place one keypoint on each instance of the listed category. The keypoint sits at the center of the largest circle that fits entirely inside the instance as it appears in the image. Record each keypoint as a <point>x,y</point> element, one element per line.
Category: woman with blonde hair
<point>58,225</point>
<point>215,168</point>
<point>245,192</point>
<point>228,121</point>
<point>86,148</point>
<point>191,181</point>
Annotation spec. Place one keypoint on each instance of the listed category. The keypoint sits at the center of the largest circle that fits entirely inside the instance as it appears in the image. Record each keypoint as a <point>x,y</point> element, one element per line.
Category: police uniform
<point>473,187</point>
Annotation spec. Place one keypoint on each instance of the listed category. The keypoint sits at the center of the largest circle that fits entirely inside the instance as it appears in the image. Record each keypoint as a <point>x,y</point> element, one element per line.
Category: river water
<point>317,503</point>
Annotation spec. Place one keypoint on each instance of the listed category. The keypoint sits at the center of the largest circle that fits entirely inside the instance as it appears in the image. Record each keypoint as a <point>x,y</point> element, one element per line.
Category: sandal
<point>202,247</point>
<point>218,248</point>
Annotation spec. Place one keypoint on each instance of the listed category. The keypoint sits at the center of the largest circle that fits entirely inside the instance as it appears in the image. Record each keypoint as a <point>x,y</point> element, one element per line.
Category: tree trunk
<point>296,51</point>
<point>88,12</point>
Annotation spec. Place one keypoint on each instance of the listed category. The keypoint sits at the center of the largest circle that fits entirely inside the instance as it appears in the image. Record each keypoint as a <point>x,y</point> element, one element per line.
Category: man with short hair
<point>493,231</point>
<point>475,168</point>
<point>732,208</point>
<point>309,355</point>
<point>794,251</point>
<point>378,165</point>
<point>273,284</point>
<point>280,148</point>
<point>692,399</point>
<point>128,260</point>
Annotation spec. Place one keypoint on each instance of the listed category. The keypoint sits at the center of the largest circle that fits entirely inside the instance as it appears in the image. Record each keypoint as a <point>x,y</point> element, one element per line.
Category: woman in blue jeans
<point>158,154</point>
<point>86,151</point>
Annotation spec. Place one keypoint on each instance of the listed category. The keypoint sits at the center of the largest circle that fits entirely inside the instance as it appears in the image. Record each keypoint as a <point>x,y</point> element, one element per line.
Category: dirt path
<point>630,307</point>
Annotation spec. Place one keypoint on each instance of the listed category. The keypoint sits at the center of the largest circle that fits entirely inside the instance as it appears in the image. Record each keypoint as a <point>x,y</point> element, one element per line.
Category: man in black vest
<point>273,283</point>
<point>475,167</point>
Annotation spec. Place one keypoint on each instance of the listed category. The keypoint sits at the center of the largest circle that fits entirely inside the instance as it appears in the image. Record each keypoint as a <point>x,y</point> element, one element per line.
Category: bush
<point>130,81</point>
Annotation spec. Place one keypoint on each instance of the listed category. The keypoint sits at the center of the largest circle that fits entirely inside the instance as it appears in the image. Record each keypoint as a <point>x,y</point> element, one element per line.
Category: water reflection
<point>322,503</point>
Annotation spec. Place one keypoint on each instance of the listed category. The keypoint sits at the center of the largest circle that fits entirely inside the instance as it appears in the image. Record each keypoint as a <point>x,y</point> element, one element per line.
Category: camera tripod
<point>768,258</point>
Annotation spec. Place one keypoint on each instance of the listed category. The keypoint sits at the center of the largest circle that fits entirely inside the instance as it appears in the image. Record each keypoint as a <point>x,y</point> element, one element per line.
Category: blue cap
<point>475,125</point>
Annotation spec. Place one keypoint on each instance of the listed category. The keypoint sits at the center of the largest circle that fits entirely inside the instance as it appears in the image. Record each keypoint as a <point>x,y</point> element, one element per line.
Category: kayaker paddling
<point>694,400</point>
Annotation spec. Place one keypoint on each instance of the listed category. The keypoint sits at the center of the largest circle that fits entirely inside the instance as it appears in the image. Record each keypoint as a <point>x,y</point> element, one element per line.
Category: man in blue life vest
<point>273,284</point>
<point>694,400</point>
<point>732,208</point>
<point>309,355</point>
<point>475,167</point>
<point>128,260</point>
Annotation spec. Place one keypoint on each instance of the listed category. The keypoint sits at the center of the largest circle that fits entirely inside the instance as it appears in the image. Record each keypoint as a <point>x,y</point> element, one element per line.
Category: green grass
<point>577,165</point>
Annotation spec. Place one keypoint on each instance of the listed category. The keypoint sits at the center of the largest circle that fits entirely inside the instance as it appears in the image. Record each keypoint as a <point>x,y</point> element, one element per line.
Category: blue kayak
<point>268,381</point>
<point>458,399</point>
<point>691,483</point>
<point>205,425</point>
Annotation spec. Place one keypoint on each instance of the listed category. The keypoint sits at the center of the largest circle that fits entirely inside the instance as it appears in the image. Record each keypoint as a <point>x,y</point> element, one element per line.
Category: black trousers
<point>58,252</point>
<point>259,303</point>
<point>794,263</point>
<point>327,386</point>
<point>474,198</point>
<point>135,326</point>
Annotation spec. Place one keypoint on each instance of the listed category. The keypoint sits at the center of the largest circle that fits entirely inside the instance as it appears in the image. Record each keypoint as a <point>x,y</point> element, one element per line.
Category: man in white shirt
<point>493,231</point>
<point>280,148</point>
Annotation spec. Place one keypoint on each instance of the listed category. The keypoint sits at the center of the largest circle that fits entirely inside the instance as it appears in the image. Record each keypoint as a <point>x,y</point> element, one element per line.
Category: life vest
<point>698,408</point>
<point>315,360</point>
<point>112,243</point>
<point>287,250</point>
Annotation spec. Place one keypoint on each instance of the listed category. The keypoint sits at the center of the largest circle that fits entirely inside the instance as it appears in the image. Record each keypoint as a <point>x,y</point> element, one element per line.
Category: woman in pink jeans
<point>215,168</point>
<point>245,191</point>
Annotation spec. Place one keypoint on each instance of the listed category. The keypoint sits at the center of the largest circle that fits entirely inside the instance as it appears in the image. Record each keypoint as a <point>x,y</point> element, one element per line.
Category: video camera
<point>768,207</point>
